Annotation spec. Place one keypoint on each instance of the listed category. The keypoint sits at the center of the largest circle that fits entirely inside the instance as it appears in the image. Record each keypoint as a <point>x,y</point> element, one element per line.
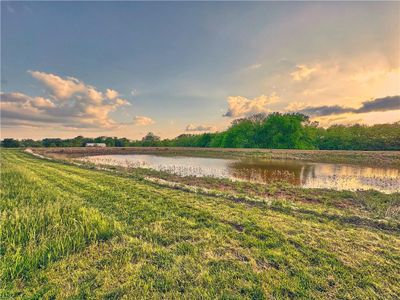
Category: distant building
<point>95,145</point>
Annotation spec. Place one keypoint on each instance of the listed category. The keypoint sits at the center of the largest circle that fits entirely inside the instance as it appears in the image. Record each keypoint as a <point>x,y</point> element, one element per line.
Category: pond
<point>300,173</point>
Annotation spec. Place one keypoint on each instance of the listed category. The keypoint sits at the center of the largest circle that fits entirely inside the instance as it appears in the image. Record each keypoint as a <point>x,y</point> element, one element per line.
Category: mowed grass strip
<point>69,232</point>
<point>38,225</point>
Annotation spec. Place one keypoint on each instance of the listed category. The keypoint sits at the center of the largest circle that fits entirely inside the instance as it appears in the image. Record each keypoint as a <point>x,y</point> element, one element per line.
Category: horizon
<point>127,68</point>
<point>185,133</point>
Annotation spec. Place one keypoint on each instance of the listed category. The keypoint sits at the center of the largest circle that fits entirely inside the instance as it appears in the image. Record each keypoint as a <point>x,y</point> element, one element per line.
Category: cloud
<point>295,106</point>
<point>377,105</point>
<point>345,119</point>
<point>239,106</point>
<point>41,102</point>
<point>325,110</point>
<point>340,81</point>
<point>142,120</point>
<point>302,72</point>
<point>22,101</point>
<point>111,94</point>
<point>61,88</point>
<point>71,104</point>
<point>380,104</point>
<point>192,127</point>
<point>14,98</point>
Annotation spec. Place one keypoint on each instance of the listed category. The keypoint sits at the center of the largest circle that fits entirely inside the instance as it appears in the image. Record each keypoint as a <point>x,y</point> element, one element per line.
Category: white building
<point>95,145</point>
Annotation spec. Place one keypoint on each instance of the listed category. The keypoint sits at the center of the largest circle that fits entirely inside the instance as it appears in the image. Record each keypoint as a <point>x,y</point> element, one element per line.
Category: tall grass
<point>38,225</point>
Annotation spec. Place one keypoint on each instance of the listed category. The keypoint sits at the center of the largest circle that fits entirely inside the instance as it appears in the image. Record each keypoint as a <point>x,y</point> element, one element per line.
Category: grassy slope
<point>73,232</point>
<point>368,204</point>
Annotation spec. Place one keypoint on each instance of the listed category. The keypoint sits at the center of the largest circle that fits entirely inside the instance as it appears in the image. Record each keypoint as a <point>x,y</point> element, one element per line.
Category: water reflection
<point>318,175</point>
<point>305,174</point>
<point>269,171</point>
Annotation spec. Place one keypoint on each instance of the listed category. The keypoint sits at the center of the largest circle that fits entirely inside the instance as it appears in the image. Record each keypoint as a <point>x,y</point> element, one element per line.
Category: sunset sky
<point>126,68</point>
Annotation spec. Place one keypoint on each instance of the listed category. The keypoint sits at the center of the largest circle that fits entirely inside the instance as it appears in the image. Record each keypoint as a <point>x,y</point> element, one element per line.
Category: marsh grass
<point>79,233</point>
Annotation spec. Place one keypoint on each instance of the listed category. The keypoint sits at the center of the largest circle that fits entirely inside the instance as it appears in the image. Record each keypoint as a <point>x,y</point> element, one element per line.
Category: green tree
<point>150,140</point>
<point>10,143</point>
<point>240,135</point>
<point>283,131</point>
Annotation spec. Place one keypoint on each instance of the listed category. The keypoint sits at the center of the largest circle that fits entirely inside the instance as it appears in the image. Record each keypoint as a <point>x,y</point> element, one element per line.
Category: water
<point>300,173</point>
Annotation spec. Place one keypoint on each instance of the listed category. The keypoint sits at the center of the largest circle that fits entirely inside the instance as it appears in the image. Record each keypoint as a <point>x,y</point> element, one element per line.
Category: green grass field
<point>79,233</point>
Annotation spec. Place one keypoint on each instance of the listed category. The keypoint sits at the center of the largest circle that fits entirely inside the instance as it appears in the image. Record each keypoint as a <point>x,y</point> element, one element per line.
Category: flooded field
<point>300,173</point>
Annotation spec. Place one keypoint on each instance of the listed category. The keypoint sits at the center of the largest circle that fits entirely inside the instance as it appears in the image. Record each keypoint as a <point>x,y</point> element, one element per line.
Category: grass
<point>75,232</point>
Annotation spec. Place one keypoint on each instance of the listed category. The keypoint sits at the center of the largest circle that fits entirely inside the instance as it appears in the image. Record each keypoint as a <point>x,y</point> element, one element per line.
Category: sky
<point>126,68</point>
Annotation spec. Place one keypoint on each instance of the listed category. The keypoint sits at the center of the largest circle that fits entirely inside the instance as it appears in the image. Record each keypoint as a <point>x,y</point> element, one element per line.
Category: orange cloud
<point>302,72</point>
<point>71,104</point>
<point>142,120</point>
<point>111,94</point>
<point>239,106</point>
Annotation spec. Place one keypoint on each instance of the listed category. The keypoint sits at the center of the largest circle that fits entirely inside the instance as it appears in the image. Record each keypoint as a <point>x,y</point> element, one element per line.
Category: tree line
<point>275,131</point>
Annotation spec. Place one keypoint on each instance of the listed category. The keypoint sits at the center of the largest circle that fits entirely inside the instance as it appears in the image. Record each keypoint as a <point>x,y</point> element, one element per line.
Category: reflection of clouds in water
<point>352,183</point>
<point>358,171</point>
<point>309,175</point>
<point>345,177</point>
<point>184,166</point>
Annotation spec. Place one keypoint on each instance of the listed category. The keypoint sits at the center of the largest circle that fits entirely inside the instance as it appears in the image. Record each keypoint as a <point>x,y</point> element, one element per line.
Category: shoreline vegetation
<point>76,231</point>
